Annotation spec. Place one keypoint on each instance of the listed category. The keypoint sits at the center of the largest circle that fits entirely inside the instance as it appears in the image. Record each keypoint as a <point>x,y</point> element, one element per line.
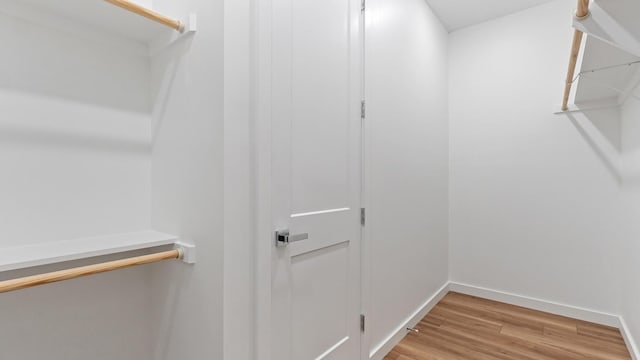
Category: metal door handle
<point>283,238</point>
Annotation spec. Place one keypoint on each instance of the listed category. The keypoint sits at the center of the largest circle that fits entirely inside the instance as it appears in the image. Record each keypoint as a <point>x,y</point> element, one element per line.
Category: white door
<point>316,83</point>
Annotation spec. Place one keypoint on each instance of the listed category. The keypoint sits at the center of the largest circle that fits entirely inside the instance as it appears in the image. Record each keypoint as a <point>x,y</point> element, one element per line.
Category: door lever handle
<point>283,238</point>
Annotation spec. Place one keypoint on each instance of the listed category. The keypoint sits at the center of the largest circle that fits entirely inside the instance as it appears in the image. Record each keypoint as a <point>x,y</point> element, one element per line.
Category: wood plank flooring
<point>467,327</point>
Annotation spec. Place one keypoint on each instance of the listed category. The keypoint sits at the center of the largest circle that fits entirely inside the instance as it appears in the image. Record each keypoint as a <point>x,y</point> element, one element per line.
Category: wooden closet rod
<point>149,14</point>
<point>41,279</point>
<point>582,12</point>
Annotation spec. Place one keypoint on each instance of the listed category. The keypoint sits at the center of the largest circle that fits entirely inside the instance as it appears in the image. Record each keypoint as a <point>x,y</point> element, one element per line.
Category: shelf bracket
<point>187,252</point>
<point>188,27</point>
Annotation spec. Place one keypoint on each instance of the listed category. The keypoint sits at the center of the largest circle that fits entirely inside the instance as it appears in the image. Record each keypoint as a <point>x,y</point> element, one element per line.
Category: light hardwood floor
<point>467,327</point>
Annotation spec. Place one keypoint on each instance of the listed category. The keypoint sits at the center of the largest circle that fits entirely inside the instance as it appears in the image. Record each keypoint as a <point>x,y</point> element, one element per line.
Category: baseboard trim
<point>537,304</point>
<point>382,349</point>
<point>628,339</point>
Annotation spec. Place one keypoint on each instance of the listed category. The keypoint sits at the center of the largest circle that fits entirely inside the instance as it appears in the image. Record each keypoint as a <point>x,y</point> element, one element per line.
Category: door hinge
<point>362,322</point>
<point>363,109</point>
<point>363,217</point>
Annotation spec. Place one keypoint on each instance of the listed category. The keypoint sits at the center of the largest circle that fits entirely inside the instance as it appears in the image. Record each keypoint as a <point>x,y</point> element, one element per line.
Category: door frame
<point>365,197</point>
<point>262,156</point>
<point>262,174</point>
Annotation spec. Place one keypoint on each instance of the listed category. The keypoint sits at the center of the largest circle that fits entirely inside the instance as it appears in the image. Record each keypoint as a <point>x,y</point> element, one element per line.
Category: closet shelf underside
<point>97,19</point>
<point>26,256</point>
<point>609,62</point>
<point>616,73</point>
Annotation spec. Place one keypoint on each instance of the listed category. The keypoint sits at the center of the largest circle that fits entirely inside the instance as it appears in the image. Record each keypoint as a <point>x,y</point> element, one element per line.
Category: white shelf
<point>615,22</point>
<point>21,257</point>
<point>97,20</point>
<point>610,55</point>
<point>609,82</point>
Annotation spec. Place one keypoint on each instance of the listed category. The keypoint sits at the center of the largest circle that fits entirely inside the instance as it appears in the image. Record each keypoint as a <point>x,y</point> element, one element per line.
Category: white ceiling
<point>456,14</point>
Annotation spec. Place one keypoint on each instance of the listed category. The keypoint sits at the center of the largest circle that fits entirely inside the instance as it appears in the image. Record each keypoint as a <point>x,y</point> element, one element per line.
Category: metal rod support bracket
<point>580,18</point>
<point>187,252</point>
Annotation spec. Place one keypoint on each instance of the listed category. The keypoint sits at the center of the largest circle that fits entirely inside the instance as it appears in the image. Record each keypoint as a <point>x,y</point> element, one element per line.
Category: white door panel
<point>320,104</point>
<point>315,141</point>
<point>319,300</point>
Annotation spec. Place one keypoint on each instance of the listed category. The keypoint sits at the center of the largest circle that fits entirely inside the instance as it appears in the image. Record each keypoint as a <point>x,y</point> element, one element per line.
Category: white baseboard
<point>537,304</point>
<point>628,339</point>
<point>382,349</point>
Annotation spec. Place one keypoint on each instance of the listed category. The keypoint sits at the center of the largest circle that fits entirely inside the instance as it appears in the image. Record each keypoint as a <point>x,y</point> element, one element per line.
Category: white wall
<point>75,155</point>
<point>74,137</point>
<point>187,185</point>
<point>239,179</point>
<point>407,165</point>
<point>533,204</point>
<point>83,158</point>
<point>628,213</point>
